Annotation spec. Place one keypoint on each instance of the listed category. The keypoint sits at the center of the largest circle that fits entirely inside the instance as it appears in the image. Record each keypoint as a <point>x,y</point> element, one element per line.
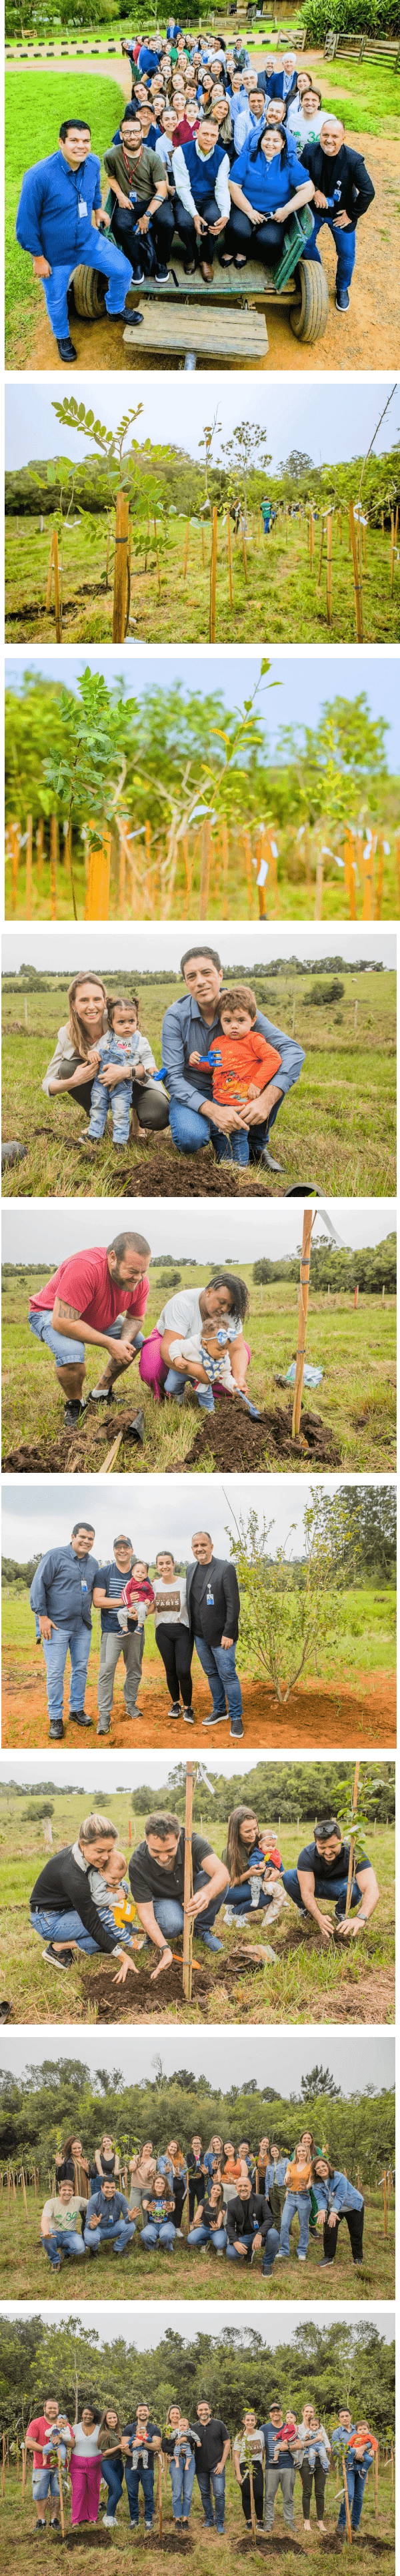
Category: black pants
<point>355,2223</point>
<point>258,2492</point>
<point>263,237</point>
<point>199,245</point>
<point>175,1644</point>
<point>196,2194</point>
<point>135,244</point>
<point>307,2476</point>
<point>179,2191</point>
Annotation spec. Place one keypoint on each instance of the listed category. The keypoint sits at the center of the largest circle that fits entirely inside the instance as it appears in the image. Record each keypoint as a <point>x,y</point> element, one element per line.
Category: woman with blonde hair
<point>67,1073</point>
<point>174,2165</point>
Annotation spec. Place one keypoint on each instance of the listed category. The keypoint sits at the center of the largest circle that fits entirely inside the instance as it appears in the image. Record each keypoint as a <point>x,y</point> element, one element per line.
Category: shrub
<point>350,17</point>
<point>327,993</point>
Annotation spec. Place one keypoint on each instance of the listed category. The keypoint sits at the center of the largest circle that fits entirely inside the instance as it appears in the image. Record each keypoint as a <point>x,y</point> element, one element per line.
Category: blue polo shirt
<point>185,1032</point>
<point>109,1580</point>
<point>48,222</point>
<point>269,183</point>
<point>107,2211</point>
<point>62,1588</point>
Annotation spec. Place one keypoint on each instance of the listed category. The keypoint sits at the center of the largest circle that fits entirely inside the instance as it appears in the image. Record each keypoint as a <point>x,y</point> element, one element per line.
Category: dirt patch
<point>316,1716</point>
<point>120,2003</point>
<point>282,2548</point>
<point>239,1444</point>
<point>184,1176</point>
<point>70,1449</point>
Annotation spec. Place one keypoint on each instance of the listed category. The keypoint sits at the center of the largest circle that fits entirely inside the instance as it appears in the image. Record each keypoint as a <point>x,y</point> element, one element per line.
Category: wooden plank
<point>258,283</point>
<point>232,336</point>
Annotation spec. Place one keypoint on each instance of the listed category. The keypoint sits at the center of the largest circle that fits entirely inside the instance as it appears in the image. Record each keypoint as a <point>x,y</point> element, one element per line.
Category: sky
<point>140,2326</point>
<point>67,950</point>
<point>235,676</point>
<point>43,1231</point>
<point>71,1771</point>
<point>332,421</point>
<point>39,1516</point>
<point>353,2058</point>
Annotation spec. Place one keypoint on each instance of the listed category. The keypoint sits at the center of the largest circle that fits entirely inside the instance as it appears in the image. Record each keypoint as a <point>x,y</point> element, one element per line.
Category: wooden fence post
<point>229,542</point>
<point>213,578</point>
<point>302,1324</point>
<point>120,568</point>
<point>188,1887</point>
<point>356,576</point>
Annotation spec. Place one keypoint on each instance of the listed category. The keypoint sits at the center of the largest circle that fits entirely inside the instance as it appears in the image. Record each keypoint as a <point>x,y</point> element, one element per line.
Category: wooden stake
<point>14,839</point>
<point>311,540</point>
<point>319,886</point>
<point>188,1887</point>
<point>391,553</point>
<point>3,2473</point>
<point>57,600</point>
<point>376,2458</point>
<point>205,869</point>
<point>48,591</point>
<point>112,1454</point>
<point>28,896</point>
<point>229,543</point>
<point>302,1324</point>
<point>244,555</point>
<point>213,578</point>
<point>17,2458</point>
<point>107,558</point>
<point>61,2500</point>
<point>356,576</point>
<point>352,1840</point>
<point>39,847</point>
<point>23,2470</point>
<point>225,871</point>
<point>384,2206</point>
<point>185,557</point>
<point>349,874</point>
<point>346,2499</point>
<point>97,903</point>
<point>159,2496</point>
<point>53,866</point>
<point>120,570</point>
<point>157,553</point>
<point>252,2507</point>
<point>329,567</point>
<point>321,554</point>
<point>202,544</point>
<point>24,2192</point>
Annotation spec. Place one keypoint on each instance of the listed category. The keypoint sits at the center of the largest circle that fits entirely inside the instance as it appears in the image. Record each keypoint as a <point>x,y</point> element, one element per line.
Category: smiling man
<point>213,1601</point>
<point>58,220</point>
<point>188,1027</point>
<point>99,1296</point>
<point>157,1878</point>
<point>61,1596</point>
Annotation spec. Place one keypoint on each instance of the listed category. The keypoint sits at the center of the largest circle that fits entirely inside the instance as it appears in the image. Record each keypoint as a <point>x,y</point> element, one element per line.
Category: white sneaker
<point>229,1916</point>
<point>109,2521</point>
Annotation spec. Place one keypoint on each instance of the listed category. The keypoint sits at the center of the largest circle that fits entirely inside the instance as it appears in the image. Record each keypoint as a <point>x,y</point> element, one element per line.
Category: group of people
<point>236,2203</point>
<point>199,1608</point>
<point>224,1072</point>
<point>82,1900</point>
<point>99,2450</point>
<point>214,150</point>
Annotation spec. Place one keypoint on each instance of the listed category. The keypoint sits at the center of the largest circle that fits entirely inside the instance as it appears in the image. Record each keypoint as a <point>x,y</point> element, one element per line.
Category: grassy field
<point>356,1398</point>
<point>280,598</point>
<point>306,1984</point>
<point>139,2275</point>
<point>345,1102</point>
<point>18,2523</point>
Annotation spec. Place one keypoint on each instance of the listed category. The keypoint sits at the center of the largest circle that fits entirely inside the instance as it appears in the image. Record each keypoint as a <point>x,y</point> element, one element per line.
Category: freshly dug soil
<point>282,2547</point>
<point>358,1710</point>
<point>142,2002</point>
<point>166,1174</point>
<point>237,1443</point>
<point>70,1449</point>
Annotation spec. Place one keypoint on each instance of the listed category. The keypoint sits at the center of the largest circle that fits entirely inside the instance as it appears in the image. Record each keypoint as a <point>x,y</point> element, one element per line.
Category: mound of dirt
<point>239,1444</point>
<point>244,2548</point>
<point>165,1174</point>
<point>142,2001</point>
<point>70,1449</point>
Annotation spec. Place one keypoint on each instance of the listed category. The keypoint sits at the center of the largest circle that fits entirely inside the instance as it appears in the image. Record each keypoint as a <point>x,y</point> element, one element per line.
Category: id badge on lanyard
<point>82,206</point>
<point>210,1599</point>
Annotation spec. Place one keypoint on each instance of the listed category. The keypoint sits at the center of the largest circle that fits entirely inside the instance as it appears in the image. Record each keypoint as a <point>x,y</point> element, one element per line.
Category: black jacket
<point>64,1888</point>
<point>356,190</point>
<point>222,1618</point>
<point>247,2217</point>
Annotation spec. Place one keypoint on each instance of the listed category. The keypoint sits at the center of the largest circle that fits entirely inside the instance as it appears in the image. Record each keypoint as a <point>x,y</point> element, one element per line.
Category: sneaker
<point>102,1730</point>
<point>209,1938</point>
<point>109,2521</point>
<point>342,299</point>
<point>78,1717</point>
<point>57,1958</point>
<point>56,1734</point>
<point>229,1916</point>
<point>72,1412</point>
<point>188,1716</point>
<point>236,1735</point>
<point>137,278</point>
<point>161,278</point>
<point>301,2258</point>
<point>175,1709</point>
<point>218,1717</point>
<point>66,351</point>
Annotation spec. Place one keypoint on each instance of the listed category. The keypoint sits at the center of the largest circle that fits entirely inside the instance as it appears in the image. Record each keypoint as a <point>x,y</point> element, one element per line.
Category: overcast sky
<point>354,2058</point>
<point>235,676</point>
<point>43,1515</point>
<point>68,949</point>
<point>136,1771</point>
<point>141,2325</point>
<point>50,1232</point>
<point>337,424</point>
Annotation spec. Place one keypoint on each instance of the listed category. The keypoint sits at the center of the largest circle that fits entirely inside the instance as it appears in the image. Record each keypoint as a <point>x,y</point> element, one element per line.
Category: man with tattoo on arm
<point>99,1296</point>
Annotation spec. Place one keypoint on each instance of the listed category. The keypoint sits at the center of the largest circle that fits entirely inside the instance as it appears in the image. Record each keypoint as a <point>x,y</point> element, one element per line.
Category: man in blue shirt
<point>114,1640</point>
<point>108,2219</point>
<point>54,222</point>
<point>279,2470</point>
<point>61,1597</point>
<point>189,1026</point>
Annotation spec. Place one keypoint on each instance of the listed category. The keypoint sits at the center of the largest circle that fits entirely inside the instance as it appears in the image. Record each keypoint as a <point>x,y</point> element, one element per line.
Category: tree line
<point>63,2099</point>
<point>329,2365</point>
<point>370,1269</point>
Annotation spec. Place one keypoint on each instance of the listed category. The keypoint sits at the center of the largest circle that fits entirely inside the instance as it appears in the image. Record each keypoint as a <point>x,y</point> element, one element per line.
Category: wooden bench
<point>178,330</point>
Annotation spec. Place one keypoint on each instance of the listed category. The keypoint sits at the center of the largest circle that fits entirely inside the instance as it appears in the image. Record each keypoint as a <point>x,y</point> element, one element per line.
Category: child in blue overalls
<point>122,1045</point>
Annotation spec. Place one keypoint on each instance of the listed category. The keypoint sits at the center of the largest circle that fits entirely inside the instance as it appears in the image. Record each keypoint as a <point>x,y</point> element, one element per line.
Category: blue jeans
<point>95,251</point>
<point>159,2232</point>
<point>44,2483</point>
<point>144,2477</point>
<point>270,2249</point>
<point>212,2484</point>
<point>169,1912</point>
<point>299,2200</point>
<point>114,2481</point>
<point>119,1101</point>
<point>239,1898</point>
<point>55,1650</point>
<point>67,1927</point>
<point>232,2255</point>
<point>66,1353</point>
<point>345,245</point>
<point>203,2236</point>
<point>190,1131</point>
<point>118,2234</point>
<point>336,1887</point>
<point>218,1662</point>
<point>64,2240</point>
<point>182,2476</point>
<point>355,2488</point>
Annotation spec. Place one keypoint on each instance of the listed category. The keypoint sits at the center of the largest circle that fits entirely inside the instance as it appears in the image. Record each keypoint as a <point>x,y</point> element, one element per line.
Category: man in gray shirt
<point>143,214</point>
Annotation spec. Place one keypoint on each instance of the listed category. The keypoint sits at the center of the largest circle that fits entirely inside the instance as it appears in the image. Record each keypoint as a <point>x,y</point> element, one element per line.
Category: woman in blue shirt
<point>267,185</point>
<point>337,2198</point>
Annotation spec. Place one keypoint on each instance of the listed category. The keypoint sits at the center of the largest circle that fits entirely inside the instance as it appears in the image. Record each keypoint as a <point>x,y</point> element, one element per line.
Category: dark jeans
<point>135,244</point>
<point>114,2478</point>
<point>355,2223</point>
<point>212,2486</point>
<point>307,2476</point>
<point>199,245</point>
<point>258,2492</point>
<point>263,237</point>
<point>355,2489</point>
<point>144,2478</point>
<point>175,1644</point>
<point>323,1887</point>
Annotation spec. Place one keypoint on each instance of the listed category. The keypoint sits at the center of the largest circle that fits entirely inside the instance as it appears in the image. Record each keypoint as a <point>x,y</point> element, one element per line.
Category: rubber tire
<point>90,289</point>
<point>309,319</point>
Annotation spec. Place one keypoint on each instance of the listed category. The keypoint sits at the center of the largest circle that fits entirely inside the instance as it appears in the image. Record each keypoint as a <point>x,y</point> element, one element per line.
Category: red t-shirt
<point>84,1282</point>
<point>40,2431</point>
<point>183,131</point>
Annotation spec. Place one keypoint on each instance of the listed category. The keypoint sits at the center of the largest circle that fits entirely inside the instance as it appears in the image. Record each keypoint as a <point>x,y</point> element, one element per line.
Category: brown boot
<point>206,271</point>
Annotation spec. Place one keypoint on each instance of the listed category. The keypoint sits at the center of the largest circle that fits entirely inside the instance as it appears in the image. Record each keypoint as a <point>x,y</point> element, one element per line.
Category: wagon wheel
<point>90,289</point>
<point>309,319</point>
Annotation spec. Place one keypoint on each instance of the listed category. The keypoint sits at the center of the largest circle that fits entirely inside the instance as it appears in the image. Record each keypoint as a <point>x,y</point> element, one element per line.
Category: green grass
<point>37,100</point>
<point>307,1984</point>
<point>367,1640</point>
<point>140,2276</point>
<point>356,1396</point>
<point>295,607</point>
<point>345,1101</point>
<point>17,2525</point>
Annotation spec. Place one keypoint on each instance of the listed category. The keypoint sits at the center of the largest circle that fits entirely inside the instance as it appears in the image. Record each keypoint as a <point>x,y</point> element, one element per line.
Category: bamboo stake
<point>213,578</point>
<point>188,1887</point>
<point>53,866</point>
<point>120,567</point>
<point>346,2499</point>
<point>61,2500</point>
<point>24,2192</point>
<point>3,2473</point>
<point>392,2466</point>
<point>376,2455</point>
<point>252,2507</point>
<point>391,553</point>
<point>17,2458</point>
<point>185,557</point>
<point>229,543</point>
<point>321,554</point>
<point>311,540</point>
<point>202,544</point>
<point>107,558</point>
<point>225,871</point>
<point>28,896</point>
<point>48,591</point>
<point>23,2470</point>
<point>205,869</point>
<point>349,874</point>
<point>302,1324</point>
<point>329,567</point>
<point>356,577</point>
<point>57,600</point>
<point>8,2191</point>
<point>244,555</point>
<point>14,837</point>
<point>97,903</point>
<point>319,886</point>
<point>39,847</point>
<point>112,1454</point>
<point>352,1840</point>
<point>159,2496</point>
<point>384,2206</point>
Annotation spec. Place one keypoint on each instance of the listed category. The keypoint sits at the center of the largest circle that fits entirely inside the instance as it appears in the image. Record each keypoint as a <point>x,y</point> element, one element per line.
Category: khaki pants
<point>131,1647</point>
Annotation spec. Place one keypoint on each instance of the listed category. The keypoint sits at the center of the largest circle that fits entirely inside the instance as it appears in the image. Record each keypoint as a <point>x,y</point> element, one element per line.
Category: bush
<point>329,992</point>
<point>350,17</point>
